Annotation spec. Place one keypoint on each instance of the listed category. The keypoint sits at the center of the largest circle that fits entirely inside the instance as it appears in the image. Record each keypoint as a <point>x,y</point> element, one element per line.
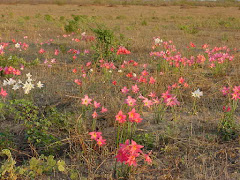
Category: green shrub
<point>39,125</point>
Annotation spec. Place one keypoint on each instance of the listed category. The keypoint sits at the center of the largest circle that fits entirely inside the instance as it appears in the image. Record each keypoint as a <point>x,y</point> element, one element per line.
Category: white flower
<point>5,82</point>
<point>39,84</point>
<point>28,86</point>
<point>110,71</point>
<point>28,75</point>
<point>157,41</point>
<point>120,71</point>
<point>11,81</point>
<point>91,70</point>
<point>16,86</point>
<point>197,93</point>
<point>17,45</point>
<point>29,79</point>
<point>134,75</point>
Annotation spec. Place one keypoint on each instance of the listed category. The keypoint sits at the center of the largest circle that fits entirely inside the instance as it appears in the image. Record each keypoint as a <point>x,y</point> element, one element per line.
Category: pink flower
<point>96,104</point>
<point>172,101</point>
<point>147,158</point>
<point>94,115</point>
<point>186,85</point>
<point>88,63</point>
<point>225,90</point>
<point>135,88</point>
<point>134,117</point>
<point>3,93</point>
<point>152,94</point>
<point>166,95</point>
<point>104,110</point>
<point>236,89</point>
<point>78,82</point>
<point>124,90</point>
<point>147,102</point>
<point>235,96</point>
<point>86,100</point>
<point>101,141</point>
<point>144,73</point>
<point>156,101</point>
<point>226,109</point>
<point>41,51</point>
<point>181,80</point>
<point>114,82</point>
<point>120,117</point>
<point>95,135</point>
<point>152,80</point>
<point>128,153</point>
<point>56,52</point>
<point>130,101</point>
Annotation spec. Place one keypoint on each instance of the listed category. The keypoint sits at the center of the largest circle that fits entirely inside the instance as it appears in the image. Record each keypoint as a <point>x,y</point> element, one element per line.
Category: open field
<point>144,65</point>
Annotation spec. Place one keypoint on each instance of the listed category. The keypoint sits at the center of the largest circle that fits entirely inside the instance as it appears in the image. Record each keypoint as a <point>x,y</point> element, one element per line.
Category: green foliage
<point>227,127</point>
<point>39,126</point>
<point>62,18</point>
<point>48,17</point>
<point>144,23</point>
<point>72,26</point>
<point>13,61</point>
<point>60,2</point>
<point>38,15</point>
<point>33,169</point>
<point>7,170</point>
<point>190,29</point>
<point>146,139</point>
<point>105,41</point>
<point>26,18</point>
<point>6,139</point>
<point>78,21</point>
<point>63,48</point>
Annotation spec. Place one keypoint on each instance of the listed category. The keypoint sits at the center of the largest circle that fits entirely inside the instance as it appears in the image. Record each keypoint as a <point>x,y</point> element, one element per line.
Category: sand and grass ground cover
<point>81,84</point>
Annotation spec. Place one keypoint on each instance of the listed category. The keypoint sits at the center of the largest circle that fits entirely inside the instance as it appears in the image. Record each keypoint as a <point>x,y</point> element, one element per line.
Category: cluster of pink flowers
<point>83,71</point>
<point>87,101</point>
<point>216,55</point>
<point>107,65</point>
<point>181,83</point>
<point>132,117</point>
<point>123,50</point>
<point>49,63</point>
<point>128,153</point>
<point>97,136</point>
<point>10,70</point>
<point>169,99</point>
<point>235,92</point>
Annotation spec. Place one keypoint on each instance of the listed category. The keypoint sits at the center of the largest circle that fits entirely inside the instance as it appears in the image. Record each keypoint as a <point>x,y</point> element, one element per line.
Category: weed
<point>48,17</point>
<point>144,23</point>
<point>105,41</point>
<point>190,29</point>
